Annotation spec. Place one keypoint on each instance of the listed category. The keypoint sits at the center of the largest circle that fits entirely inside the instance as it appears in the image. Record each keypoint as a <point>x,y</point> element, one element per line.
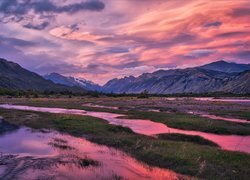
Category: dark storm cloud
<point>213,24</point>
<point>16,10</point>
<point>88,5</point>
<point>41,26</point>
<point>16,7</point>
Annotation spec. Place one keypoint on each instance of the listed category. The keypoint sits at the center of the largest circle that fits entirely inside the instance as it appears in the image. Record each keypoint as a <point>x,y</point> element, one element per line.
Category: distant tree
<point>95,94</point>
<point>143,94</point>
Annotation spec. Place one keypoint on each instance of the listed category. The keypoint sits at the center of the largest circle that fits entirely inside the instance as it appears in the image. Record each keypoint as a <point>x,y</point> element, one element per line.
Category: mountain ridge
<point>199,79</point>
<point>13,76</point>
<point>225,66</point>
<point>213,77</point>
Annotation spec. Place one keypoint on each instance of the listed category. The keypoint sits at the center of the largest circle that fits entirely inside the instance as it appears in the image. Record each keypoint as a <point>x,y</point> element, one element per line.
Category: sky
<point>103,39</point>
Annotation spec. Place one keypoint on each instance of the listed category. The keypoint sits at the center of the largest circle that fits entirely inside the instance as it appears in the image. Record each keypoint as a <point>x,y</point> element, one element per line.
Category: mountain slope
<point>72,81</point>
<point>240,83</point>
<point>190,80</point>
<point>224,66</point>
<point>118,85</point>
<point>194,80</point>
<point>13,76</point>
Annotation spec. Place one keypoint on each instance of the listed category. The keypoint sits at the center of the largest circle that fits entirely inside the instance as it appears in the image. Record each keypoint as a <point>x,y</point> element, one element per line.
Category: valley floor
<point>187,154</point>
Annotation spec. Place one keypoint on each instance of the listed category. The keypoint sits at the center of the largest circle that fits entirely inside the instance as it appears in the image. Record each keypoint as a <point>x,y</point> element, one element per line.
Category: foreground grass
<point>192,122</point>
<point>181,156</point>
<point>187,138</point>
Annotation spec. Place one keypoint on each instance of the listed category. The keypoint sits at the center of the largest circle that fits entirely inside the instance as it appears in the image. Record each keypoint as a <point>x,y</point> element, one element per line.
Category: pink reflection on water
<point>146,127</point>
<point>25,142</point>
<point>210,116</point>
<point>224,118</point>
<point>150,128</point>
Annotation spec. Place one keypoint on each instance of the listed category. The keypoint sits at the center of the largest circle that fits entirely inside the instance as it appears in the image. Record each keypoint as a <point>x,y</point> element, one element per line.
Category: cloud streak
<point>17,7</point>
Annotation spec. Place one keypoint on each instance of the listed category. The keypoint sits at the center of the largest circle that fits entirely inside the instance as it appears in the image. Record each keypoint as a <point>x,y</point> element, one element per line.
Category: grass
<point>86,162</point>
<point>192,122</point>
<point>187,138</point>
<point>188,158</point>
<point>236,114</point>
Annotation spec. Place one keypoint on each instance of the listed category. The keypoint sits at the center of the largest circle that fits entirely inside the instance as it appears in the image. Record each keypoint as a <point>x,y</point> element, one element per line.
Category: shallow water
<point>210,116</point>
<point>221,99</point>
<point>147,127</point>
<point>29,154</point>
<point>225,118</point>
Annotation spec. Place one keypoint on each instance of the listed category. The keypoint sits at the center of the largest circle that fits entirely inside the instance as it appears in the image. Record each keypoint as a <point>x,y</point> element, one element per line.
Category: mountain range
<point>14,77</point>
<point>219,76</point>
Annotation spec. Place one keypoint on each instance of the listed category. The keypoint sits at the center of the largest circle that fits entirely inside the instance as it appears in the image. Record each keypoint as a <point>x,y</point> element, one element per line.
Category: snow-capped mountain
<point>72,81</point>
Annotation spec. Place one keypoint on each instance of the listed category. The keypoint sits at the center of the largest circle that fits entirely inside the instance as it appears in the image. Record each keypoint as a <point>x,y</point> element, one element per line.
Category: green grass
<point>188,158</point>
<point>192,122</point>
<point>236,114</point>
<point>187,138</point>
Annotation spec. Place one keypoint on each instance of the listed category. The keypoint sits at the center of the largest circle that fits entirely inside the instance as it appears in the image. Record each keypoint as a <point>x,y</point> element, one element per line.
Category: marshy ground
<point>190,155</point>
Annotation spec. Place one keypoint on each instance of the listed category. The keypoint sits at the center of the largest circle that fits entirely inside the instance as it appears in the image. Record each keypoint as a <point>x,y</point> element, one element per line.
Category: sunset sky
<point>104,39</point>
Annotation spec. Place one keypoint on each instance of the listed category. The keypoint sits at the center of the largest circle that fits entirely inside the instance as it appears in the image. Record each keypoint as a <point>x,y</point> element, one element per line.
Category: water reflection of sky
<point>147,127</point>
<point>112,163</point>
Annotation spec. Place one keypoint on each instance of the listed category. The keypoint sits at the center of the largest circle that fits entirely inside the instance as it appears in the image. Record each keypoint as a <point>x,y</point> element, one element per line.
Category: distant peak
<point>53,74</point>
<point>129,77</point>
<point>224,66</point>
<point>2,59</point>
<point>6,61</point>
<point>220,62</point>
